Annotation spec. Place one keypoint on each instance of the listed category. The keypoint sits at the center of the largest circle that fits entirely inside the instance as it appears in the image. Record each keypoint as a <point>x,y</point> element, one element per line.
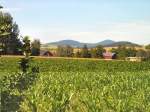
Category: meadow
<point>74,85</point>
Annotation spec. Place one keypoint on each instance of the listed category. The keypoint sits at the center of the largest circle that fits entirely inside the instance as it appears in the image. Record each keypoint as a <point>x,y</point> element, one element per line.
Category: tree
<point>141,53</point>
<point>26,46</point>
<point>123,52</point>
<point>131,52</point>
<point>60,51</point>
<point>35,47</point>
<point>147,47</point>
<point>2,31</point>
<point>65,51</point>
<point>14,44</point>
<point>68,51</point>
<point>9,35</point>
<point>85,52</point>
<point>25,61</point>
<point>99,51</point>
<point>1,7</point>
<point>94,53</point>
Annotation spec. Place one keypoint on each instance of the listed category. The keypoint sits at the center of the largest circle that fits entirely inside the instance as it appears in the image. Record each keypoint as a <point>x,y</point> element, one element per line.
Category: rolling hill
<point>77,44</point>
<point>123,43</point>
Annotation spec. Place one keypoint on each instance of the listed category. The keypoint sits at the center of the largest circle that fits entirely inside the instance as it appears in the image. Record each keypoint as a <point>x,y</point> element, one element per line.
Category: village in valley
<point>130,52</point>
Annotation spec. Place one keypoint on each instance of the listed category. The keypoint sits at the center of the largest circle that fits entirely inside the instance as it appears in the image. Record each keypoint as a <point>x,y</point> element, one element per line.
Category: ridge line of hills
<point>105,43</point>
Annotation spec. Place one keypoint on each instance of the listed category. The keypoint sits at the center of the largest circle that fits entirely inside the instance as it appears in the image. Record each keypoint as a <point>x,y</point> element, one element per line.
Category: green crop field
<point>67,85</point>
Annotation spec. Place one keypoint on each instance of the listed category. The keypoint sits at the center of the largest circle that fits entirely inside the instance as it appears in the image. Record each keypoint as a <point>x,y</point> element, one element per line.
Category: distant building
<point>45,53</point>
<point>137,59</point>
<point>109,55</point>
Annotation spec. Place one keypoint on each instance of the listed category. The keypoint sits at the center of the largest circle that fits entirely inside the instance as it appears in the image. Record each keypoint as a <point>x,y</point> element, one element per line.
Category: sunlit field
<point>72,85</point>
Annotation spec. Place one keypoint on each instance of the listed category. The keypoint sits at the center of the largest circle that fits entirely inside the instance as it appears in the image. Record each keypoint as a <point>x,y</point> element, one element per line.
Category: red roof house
<point>109,55</point>
<point>45,53</point>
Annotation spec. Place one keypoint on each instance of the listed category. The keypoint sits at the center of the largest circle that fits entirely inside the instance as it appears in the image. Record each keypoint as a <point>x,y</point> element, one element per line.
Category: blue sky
<point>82,20</point>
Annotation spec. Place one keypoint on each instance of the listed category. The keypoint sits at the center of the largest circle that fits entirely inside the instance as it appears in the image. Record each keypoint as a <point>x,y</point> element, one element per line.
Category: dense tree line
<point>65,51</point>
<point>121,52</point>
<point>85,52</point>
<point>97,52</point>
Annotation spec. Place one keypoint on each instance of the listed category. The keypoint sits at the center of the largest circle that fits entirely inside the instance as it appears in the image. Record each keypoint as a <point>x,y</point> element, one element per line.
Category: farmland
<point>67,85</point>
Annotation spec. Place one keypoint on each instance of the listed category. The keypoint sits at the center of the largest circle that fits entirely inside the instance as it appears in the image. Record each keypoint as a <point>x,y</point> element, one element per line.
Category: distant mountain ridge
<point>123,43</point>
<point>105,43</point>
<point>72,43</point>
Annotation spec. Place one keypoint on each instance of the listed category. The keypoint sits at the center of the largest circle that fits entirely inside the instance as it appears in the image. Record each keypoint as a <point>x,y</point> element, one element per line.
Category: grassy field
<point>67,85</point>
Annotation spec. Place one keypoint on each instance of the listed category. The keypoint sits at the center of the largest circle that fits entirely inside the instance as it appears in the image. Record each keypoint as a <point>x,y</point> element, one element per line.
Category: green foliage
<point>131,52</point>
<point>13,87</point>
<point>100,51</point>
<point>141,53</point>
<point>24,64</point>
<point>9,35</point>
<point>85,52</point>
<point>35,48</point>
<point>26,46</point>
<point>97,52</point>
<point>147,47</point>
<point>65,51</point>
<point>93,53</point>
<point>123,52</point>
<point>75,86</point>
<point>69,51</point>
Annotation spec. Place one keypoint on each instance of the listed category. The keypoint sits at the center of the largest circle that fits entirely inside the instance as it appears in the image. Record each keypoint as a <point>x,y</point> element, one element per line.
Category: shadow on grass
<point>10,103</point>
<point>20,82</point>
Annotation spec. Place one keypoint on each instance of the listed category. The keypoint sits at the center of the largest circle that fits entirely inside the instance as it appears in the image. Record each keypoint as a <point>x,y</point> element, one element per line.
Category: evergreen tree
<point>9,35</point>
